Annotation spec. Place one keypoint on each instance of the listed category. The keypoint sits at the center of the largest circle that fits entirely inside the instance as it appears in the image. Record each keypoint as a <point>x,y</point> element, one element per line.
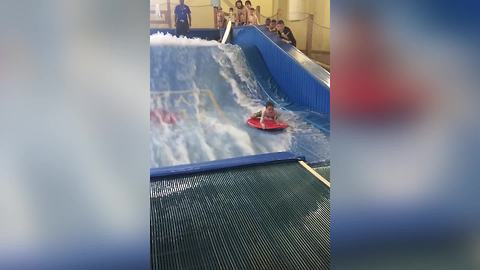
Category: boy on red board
<point>268,113</point>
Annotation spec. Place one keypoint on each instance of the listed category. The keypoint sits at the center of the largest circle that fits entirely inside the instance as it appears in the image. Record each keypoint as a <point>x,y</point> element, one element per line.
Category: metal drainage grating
<point>264,217</point>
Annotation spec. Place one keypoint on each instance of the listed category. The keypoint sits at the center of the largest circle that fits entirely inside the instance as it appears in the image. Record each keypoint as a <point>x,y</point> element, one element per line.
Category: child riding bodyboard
<point>266,119</point>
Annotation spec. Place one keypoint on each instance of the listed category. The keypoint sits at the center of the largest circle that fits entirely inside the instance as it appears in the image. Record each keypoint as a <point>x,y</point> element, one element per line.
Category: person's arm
<point>175,22</point>
<point>285,36</point>
<point>275,116</point>
<point>291,38</point>
<point>262,118</point>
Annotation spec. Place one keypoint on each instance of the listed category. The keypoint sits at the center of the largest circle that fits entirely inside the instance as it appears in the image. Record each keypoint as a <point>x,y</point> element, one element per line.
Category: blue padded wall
<point>303,81</point>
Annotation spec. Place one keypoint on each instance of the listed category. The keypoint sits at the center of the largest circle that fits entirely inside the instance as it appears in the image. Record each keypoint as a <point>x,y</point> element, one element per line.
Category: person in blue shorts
<point>183,19</point>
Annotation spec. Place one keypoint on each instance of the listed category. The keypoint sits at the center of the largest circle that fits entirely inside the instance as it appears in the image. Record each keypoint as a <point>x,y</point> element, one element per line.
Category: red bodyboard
<point>162,116</point>
<point>269,124</point>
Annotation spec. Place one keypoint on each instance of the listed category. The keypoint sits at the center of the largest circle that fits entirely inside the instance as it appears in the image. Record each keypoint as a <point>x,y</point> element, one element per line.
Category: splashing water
<point>202,92</point>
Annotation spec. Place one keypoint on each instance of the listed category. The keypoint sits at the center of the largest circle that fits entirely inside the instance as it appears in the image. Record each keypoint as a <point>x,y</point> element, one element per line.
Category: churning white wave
<point>166,39</point>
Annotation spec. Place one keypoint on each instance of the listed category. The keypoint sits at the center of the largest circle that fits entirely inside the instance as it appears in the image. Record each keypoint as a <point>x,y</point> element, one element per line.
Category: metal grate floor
<point>264,217</point>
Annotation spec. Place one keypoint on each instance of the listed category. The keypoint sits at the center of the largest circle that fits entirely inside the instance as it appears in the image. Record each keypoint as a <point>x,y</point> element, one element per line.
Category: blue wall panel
<point>303,81</point>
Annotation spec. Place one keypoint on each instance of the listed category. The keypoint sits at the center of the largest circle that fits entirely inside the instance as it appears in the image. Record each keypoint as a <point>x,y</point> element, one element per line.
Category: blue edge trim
<point>156,174</point>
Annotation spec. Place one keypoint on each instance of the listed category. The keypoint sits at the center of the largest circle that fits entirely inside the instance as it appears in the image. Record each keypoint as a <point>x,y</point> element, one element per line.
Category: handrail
<point>227,32</point>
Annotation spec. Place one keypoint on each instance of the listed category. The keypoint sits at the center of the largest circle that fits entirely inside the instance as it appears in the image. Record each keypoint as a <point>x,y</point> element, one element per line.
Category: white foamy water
<point>161,39</point>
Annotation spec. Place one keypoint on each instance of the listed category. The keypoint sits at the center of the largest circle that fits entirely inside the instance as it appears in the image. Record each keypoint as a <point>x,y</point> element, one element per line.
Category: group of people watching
<point>283,31</point>
<point>243,15</point>
<point>247,15</point>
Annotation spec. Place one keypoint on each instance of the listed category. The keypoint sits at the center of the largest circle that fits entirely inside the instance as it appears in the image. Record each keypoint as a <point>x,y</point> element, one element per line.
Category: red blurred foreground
<point>368,82</point>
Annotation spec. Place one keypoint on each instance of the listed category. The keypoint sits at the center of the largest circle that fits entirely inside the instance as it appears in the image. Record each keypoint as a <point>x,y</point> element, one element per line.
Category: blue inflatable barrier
<point>303,81</point>
<point>246,161</point>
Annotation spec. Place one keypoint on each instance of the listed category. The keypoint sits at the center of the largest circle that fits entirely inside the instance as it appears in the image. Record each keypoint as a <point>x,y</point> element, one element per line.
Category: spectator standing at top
<point>267,23</point>
<point>241,18</point>
<point>221,20</point>
<point>252,17</point>
<point>183,19</point>
<point>285,33</point>
<point>248,5</point>
<point>273,26</point>
<point>231,15</point>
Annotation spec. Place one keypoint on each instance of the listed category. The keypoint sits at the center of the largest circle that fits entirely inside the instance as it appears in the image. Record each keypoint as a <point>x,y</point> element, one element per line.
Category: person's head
<point>273,23</point>
<point>280,25</point>
<point>182,2</point>
<point>220,9</point>
<point>239,4</point>
<point>267,22</point>
<point>269,106</point>
<point>248,4</point>
<point>230,10</point>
